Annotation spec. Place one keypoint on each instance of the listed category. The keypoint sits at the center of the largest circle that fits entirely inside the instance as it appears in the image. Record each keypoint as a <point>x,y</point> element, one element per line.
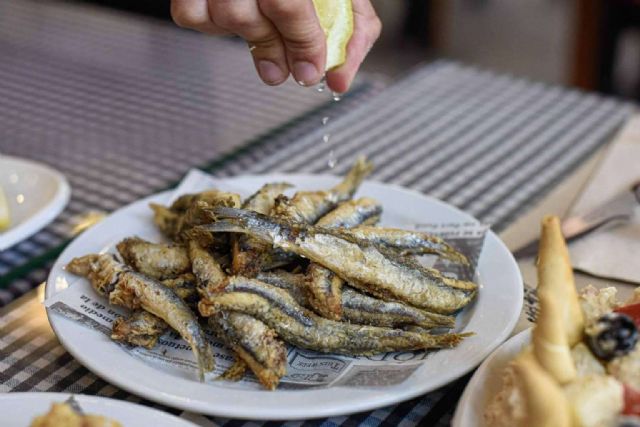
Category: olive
<point>613,335</point>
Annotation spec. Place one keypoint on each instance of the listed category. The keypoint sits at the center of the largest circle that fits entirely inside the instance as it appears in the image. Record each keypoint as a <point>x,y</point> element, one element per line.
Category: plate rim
<point>46,214</point>
<point>463,405</point>
<point>380,397</point>
<point>61,396</point>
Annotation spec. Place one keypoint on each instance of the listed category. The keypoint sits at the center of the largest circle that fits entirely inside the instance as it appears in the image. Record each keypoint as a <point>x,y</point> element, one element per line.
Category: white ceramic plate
<point>19,409</point>
<point>36,194</point>
<point>486,382</point>
<point>492,317</point>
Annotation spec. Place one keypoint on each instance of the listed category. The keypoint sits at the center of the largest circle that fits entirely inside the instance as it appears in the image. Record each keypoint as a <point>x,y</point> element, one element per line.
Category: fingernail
<point>305,73</point>
<point>270,72</point>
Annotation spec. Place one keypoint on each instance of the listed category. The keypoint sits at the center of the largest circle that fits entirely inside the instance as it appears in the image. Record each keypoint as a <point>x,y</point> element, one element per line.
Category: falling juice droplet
<point>332,160</point>
<point>325,120</point>
<point>325,138</point>
<point>322,85</point>
<point>336,96</point>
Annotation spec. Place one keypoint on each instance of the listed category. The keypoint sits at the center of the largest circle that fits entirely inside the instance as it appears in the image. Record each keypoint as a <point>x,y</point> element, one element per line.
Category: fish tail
<point>358,173</point>
<point>451,340</point>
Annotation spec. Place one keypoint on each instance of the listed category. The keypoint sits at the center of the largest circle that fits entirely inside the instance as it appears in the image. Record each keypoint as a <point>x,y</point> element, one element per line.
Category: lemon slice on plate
<point>4,211</point>
<point>336,19</point>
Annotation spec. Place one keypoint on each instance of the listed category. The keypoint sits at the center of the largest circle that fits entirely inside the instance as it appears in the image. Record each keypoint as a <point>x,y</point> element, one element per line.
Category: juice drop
<point>332,160</point>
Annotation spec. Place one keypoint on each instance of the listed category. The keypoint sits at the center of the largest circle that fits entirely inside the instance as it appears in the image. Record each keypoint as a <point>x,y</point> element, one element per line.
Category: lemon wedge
<point>4,211</point>
<point>336,19</point>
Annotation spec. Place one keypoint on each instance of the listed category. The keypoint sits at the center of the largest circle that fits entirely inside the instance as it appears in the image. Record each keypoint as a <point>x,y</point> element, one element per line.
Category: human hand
<point>284,36</point>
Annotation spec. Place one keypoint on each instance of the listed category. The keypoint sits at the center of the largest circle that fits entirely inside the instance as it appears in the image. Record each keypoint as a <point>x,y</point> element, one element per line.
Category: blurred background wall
<point>592,44</point>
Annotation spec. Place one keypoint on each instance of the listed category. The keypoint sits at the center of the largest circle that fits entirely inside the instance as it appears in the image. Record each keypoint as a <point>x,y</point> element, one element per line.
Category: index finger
<point>304,39</point>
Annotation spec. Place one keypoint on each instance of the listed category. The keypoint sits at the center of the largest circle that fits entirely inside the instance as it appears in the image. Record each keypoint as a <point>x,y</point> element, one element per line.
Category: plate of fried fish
<point>70,410</point>
<point>318,294</point>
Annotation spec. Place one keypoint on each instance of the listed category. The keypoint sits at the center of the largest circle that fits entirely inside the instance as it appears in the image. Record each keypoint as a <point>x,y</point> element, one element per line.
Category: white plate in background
<point>492,317</point>
<point>487,381</point>
<point>36,195</point>
<point>19,409</point>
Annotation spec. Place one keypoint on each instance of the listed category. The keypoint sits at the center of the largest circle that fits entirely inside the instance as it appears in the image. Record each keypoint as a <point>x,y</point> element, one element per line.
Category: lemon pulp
<point>4,211</point>
<point>336,19</point>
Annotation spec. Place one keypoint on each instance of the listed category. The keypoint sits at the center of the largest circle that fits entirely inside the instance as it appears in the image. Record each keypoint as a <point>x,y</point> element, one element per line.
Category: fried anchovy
<point>133,290</point>
<point>291,282</point>
<point>209,197</point>
<point>305,329</point>
<point>364,309</point>
<point>188,211</point>
<point>249,338</point>
<point>407,241</point>
<point>143,328</point>
<point>367,267</point>
<point>352,213</point>
<point>255,343</point>
<point>185,286</point>
<point>167,221</point>
<point>309,206</point>
<point>251,255</point>
<point>262,201</point>
<point>360,308</point>
<point>324,290</point>
<point>206,269</point>
<point>140,328</point>
<point>157,260</point>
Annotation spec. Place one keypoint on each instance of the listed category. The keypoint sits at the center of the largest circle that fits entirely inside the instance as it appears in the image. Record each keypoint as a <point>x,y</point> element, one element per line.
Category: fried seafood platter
<point>580,364</point>
<point>312,270</point>
<point>258,280</point>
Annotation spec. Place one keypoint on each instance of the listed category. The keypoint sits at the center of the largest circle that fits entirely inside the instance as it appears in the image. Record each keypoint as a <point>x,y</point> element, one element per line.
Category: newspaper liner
<point>305,369</point>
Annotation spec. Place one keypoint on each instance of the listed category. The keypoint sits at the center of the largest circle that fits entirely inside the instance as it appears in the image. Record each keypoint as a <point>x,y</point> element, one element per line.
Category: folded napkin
<point>612,252</point>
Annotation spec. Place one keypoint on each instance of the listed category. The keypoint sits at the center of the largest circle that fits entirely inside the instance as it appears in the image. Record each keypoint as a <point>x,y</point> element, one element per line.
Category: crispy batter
<point>133,290</point>
<point>255,343</point>
<point>185,286</point>
<point>140,328</point>
<point>324,290</point>
<point>204,266</point>
<point>157,260</point>
<point>236,371</point>
<point>188,211</point>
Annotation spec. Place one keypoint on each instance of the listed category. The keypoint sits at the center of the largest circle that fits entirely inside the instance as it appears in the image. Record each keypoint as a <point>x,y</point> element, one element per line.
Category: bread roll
<point>555,274</point>
<point>550,342</point>
<point>529,398</point>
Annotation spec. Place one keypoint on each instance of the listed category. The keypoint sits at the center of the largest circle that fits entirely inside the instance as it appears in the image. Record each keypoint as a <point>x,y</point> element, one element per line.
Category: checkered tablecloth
<point>125,107</point>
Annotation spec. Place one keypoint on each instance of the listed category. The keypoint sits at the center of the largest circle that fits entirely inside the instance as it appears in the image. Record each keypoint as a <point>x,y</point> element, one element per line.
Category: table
<point>490,144</point>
